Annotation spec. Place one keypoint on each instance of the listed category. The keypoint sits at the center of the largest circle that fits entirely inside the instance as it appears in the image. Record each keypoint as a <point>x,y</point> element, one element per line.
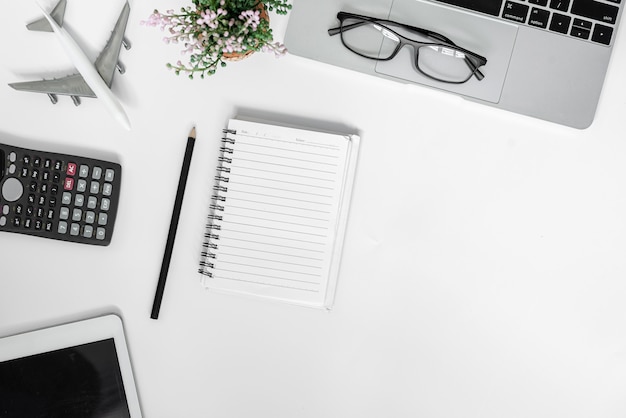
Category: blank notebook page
<point>280,204</point>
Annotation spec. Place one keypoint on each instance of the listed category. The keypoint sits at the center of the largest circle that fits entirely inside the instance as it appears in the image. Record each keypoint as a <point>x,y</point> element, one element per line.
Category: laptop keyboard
<point>588,20</point>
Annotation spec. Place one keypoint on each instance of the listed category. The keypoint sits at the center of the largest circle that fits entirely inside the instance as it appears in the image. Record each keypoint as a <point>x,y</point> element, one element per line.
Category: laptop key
<point>560,23</point>
<point>515,11</point>
<point>580,23</point>
<point>580,32</point>
<point>602,34</point>
<point>539,18</point>
<point>539,2</point>
<point>560,5</point>
<point>489,7</point>
<point>592,9</point>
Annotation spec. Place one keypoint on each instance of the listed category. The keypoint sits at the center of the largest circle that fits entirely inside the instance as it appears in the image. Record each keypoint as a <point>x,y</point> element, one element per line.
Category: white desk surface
<point>484,269</point>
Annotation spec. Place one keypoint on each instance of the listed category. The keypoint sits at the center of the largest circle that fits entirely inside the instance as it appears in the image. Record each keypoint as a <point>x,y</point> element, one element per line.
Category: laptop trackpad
<point>488,37</point>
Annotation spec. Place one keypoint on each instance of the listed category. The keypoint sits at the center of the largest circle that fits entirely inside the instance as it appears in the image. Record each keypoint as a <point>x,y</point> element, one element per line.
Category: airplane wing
<point>71,85</point>
<point>57,14</point>
<point>106,62</point>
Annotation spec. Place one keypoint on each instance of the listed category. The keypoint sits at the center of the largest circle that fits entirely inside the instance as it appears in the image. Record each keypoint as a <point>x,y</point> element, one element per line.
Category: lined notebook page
<point>281,202</point>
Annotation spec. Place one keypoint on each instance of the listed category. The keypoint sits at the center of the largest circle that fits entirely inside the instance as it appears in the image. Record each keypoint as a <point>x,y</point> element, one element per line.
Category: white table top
<point>483,272</point>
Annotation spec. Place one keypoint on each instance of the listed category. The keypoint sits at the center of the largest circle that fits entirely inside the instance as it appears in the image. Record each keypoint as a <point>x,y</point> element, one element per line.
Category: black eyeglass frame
<point>473,60</point>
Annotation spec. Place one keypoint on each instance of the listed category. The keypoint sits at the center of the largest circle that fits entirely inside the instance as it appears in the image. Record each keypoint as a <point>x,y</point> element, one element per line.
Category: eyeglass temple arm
<point>475,71</point>
<point>338,29</point>
<point>334,31</point>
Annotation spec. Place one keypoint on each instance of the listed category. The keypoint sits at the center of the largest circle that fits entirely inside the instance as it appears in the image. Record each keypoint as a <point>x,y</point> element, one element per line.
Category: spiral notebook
<point>278,212</point>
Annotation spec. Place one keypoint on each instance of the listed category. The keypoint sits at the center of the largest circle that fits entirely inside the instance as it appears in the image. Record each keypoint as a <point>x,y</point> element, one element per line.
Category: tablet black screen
<point>82,381</point>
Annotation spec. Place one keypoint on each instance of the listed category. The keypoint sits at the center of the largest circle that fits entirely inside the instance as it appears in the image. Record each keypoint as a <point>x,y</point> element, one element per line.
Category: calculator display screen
<point>80,381</point>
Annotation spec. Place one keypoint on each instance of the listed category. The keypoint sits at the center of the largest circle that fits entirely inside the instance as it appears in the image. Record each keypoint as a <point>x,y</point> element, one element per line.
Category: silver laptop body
<point>545,58</point>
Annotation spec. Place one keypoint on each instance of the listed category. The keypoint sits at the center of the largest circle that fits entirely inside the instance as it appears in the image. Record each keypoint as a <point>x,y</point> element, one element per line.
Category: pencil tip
<point>192,134</point>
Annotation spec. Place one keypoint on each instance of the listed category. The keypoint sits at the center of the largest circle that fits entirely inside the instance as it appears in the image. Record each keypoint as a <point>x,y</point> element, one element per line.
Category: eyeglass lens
<point>380,42</point>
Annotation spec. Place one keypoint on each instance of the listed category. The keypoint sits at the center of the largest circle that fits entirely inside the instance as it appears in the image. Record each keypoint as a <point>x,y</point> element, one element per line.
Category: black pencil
<point>169,246</point>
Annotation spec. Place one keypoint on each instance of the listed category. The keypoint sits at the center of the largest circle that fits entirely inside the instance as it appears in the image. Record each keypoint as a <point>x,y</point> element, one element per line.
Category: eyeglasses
<point>436,56</point>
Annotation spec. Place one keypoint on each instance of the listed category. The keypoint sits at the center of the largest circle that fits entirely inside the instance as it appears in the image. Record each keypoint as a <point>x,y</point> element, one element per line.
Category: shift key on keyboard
<point>592,9</point>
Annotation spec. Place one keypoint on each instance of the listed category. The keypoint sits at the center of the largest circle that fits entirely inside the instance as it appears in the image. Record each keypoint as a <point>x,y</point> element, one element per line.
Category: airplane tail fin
<point>57,14</point>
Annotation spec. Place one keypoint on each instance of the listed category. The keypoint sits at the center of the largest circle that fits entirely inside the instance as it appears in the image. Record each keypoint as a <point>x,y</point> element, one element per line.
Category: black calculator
<point>59,196</point>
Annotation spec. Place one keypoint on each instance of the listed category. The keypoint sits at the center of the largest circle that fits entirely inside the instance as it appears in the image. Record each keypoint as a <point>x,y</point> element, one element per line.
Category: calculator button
<point>47,163</point>
<point>24,172</point>
<point>12,157</point>
<point>109,174</point>
<point>88,231</point>
<point>96,173</point>
<point>84,171</point>
<point>37,161</point>
<point>92,202</point>
<point>102,219</point>
<point>105,204</point>
<point>66,199</point>
<point>79,200</point>
<point>49,226</point>
<point>5,209</point>
<point>19,209</point>
<point>107,189</point>
<point>100,233</point>
<point>75,229</point>
<point>81,186</point>
<point>12,189</point>
<point>64,213</point>
<point>12,169</point>
<point>95,187</point>
<point>90,217</point>
<point>77,215</point>
<point>26,160</point>
<point>68,184</point>
<point>62,229</point>
<point>27,223</point>
<point>3,220</point>
<point>58,165</point>
<point>71,169</point>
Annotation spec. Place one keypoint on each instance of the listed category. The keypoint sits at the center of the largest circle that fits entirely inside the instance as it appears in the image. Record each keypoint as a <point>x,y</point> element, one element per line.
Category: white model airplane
<point>93,80</point>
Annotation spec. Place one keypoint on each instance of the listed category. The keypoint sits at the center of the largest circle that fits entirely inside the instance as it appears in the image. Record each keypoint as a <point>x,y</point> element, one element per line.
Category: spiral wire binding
<point>210,236</point>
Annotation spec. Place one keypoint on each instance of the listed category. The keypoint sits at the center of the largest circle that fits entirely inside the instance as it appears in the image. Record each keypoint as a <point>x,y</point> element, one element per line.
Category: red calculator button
<point>68,184</point>
<point>71,169</point>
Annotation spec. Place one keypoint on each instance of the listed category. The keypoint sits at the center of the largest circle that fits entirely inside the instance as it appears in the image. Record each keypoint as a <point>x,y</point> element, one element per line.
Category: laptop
<point>545,58</point>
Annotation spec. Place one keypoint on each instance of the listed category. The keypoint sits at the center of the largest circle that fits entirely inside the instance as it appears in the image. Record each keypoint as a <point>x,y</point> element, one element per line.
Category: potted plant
<point>213,32</point>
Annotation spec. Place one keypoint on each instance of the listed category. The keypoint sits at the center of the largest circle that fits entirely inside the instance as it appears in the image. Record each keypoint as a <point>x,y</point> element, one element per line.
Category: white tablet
<point>80,369</point>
